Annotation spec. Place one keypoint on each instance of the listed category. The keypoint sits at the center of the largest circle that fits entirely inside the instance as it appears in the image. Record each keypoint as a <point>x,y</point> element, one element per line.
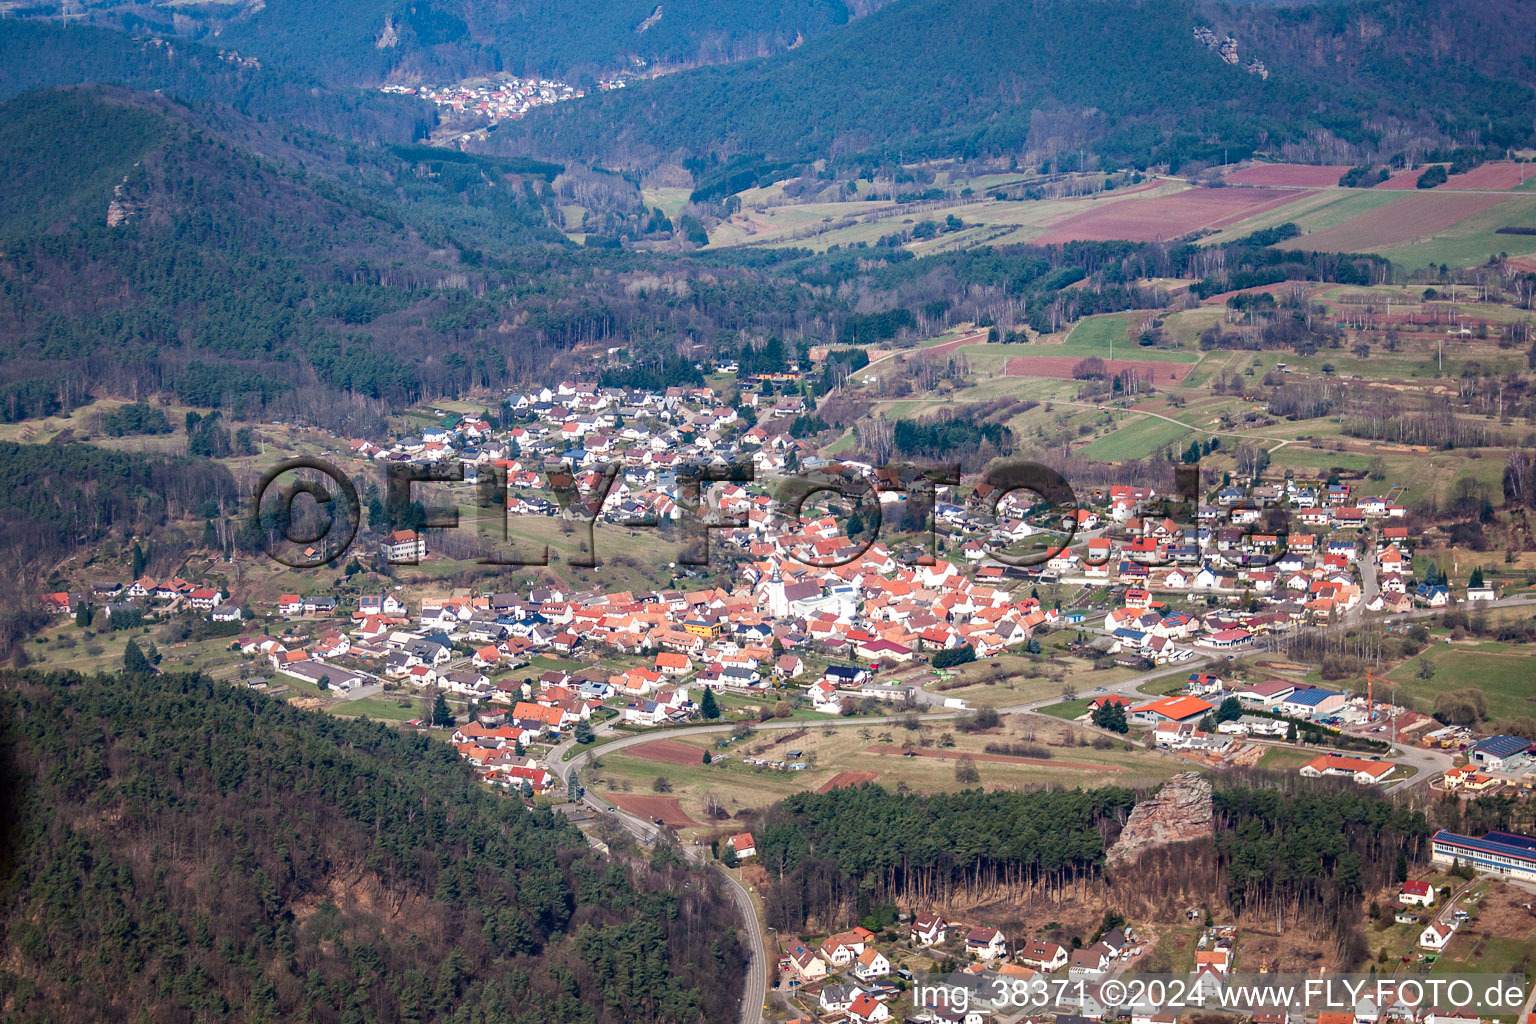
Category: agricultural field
<point>1136,437</point>
<point>1502,671</point>
<point>1474,239</point>
<point>1421,229</point>
<point>1453,224</point>
<point>1315,211</point>
<point>1167,216</point>
<point>1161,208</point>
<point>833,750</point>
<point>1004,681</point>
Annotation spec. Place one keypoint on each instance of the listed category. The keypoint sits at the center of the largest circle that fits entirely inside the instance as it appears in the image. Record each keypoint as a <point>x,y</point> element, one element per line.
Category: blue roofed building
<point>1501,753</point>
<point>1130,637</point>
<point>1499,853</point>
<point>1312,702</point>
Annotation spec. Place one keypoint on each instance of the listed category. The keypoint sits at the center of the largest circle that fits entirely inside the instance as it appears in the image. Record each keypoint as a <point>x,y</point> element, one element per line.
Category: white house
<point>986,943</point>
<point>928,929</point>
<point>1044,956</point>
<point>871,964</point>
<point>1436,935</point>
<point>403,547</point>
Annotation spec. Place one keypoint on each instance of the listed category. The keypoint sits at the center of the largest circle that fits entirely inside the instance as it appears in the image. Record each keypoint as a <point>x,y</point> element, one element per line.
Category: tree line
<point>276,864</point>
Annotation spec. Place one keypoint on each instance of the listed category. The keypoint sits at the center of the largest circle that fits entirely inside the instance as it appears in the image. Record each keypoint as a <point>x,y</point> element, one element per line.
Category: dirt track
<point>955,755</point>
<point>1061,367</point>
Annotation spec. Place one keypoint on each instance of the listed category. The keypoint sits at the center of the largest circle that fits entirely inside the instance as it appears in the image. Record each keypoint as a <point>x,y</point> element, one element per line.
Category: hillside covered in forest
<point>39,54</point>
<point>1129,82</point>
<point>148,238</point>
<point>181,850</point>
<point>365,43</point>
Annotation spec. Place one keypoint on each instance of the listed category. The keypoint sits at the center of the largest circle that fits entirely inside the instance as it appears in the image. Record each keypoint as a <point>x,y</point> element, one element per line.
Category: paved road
<point>1428,763</point>
<point>755,992</point>
<point>761,964</point>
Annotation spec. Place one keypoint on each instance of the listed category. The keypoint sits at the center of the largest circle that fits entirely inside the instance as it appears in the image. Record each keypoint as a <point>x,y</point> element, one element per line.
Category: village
<point>1156,631</point>
<point>817,623</point>
<point>920,967</point>
<point>504,97</point>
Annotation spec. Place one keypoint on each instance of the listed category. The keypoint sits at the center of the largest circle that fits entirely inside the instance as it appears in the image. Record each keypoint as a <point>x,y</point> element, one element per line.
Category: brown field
<point>1060,367</point>
<point>974,338</point>
<point>668,752</point>
<point>1278,289</point>
<point>1288,175</point>
<point>847,778</point>
<point>667,808</point>
<point>1396,223</point>
<point>1500,174</point>
<point>1403,180</point>
<point>955,755</point>
<point>1160,217</point>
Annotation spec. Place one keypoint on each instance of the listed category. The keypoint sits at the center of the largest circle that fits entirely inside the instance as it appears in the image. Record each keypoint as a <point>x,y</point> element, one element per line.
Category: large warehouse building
<point>1501,853</point>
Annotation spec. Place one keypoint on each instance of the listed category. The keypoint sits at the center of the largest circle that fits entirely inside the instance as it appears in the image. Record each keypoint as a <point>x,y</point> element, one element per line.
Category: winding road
<point>760,964</point>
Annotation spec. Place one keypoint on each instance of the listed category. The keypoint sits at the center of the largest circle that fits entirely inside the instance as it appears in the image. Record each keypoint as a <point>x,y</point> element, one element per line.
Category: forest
<point>42,54</point>
<point>183,850</point>
<point>445,40</point>
<point>413,273</point>
<point>1295,855</point>
<point>832,854</point>
<point>1121,84</point>
<point>61,496</point>
<point>1312,853</point>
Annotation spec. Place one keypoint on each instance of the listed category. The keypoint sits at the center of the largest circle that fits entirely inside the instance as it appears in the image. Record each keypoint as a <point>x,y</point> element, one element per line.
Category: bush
<point>1034,750</point>
<point>137,418</point>
<point>966,771</point>
<point>979,721</point>
<point>950,657</point>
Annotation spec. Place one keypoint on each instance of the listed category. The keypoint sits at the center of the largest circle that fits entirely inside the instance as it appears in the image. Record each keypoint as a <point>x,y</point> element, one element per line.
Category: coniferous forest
<point>1300,855</point>
<point>182,850</point>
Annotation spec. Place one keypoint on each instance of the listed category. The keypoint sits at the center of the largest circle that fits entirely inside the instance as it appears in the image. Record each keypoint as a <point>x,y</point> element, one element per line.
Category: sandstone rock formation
<point>1180,811</point>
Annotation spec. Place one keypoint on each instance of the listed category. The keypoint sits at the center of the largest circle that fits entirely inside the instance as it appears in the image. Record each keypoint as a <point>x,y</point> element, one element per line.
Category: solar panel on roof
<point>1512,839</point>
<point>1517,846</point>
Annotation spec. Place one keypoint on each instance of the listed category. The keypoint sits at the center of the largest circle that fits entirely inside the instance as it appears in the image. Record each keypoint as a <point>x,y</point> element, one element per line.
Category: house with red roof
<point>866,1009</point>
<point>1170,709</point>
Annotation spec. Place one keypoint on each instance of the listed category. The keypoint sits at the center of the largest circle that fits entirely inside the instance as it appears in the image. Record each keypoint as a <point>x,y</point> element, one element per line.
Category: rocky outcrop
<point>390,36</point>
<point>122,208</point>
<point>1180,811</point>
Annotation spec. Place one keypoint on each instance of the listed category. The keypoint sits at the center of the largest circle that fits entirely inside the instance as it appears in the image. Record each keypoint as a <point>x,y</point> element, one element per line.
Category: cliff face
<point>1180,811</point>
